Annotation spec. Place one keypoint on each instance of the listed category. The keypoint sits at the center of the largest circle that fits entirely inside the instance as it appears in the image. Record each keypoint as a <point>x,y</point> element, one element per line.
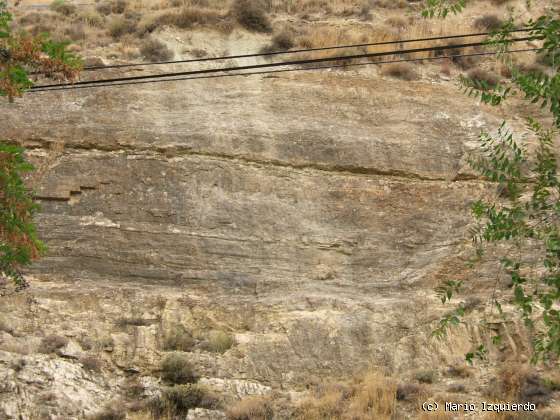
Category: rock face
<point>308,216</point>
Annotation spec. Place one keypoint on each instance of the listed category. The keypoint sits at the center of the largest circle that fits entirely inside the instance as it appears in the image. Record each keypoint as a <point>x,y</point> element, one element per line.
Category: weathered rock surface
<point>309,217</point>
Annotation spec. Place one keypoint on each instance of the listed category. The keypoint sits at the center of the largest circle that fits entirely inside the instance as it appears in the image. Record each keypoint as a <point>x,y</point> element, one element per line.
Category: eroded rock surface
<point>309,217</point>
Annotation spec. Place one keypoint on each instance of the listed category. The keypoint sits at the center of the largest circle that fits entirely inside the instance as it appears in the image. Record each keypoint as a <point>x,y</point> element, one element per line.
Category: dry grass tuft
<point>396,22</point>
<point>154,50</point>
<point>219,341</point>
<point>403,71</point>
<point>251,408</point>
<point>178,339</point>
<point>75,32</point>
<point>109,413</point>
<point>62,7</point>
<point>250,15</point>
<point>132,321</point>
<point>188,17</point>
<point>372,397</point>
<point>177,369</point>
<point>426,376</point>
<point>120,26</point>
<point>107,7</point>
<point>516,382</point>
<point>52,343</point>
<point>459,371</point>
<point>488,22</point>
<point>489,78</point>
<point>176,401</point>
<point>91,363</point>
<point>409,392</point>
<point>280,42</point>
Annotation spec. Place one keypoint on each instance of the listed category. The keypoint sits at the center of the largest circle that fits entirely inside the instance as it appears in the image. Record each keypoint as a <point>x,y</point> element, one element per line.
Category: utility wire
<point>267,65</point>
<point>273,53</point>
<point>282,70</point>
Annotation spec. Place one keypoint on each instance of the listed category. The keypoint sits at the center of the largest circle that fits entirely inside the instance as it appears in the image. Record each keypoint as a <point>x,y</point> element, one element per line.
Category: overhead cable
<point>279,71</point>
<point>269,65</point>
<point>303,50</point>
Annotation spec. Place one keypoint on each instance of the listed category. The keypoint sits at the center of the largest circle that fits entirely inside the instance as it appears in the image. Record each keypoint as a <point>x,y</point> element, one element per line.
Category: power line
<point>278,64</point>
<point>273,53</point>
<point>282,70</point>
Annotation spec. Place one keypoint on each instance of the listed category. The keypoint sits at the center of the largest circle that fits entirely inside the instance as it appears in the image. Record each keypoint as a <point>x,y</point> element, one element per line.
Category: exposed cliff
<point>308,217</point>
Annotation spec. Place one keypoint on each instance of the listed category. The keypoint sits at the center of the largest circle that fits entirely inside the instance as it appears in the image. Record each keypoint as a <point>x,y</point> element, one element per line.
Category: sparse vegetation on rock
<point>177,369</point>
<point>251,408</point>
<point>178,400</point>
<point>251,16</point>
<point>154,50</point>
<point>178,339</point>
<point>219,341</point>
<point>403,71</point>
<point>52,343</point>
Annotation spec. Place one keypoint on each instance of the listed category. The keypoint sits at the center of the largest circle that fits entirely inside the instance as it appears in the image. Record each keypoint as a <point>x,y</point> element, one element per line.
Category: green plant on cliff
<point>521,223</point>
<point>19,244</point>
<point>20,55</point>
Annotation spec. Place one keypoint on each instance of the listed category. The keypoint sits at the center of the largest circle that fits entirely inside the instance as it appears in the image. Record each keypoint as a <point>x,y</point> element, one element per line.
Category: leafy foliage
<point>521,223</point>
<point>21,54</point>
<point>537,87</point>
<point>441,8</point>
<point>19,244</point>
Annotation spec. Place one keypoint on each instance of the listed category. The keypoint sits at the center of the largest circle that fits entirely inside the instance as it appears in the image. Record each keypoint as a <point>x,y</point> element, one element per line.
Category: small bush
<point>515,381</point>
<point>488,22</point>
<point>370,398</point>
<point>177,369</point>
<point>134,321</point>
<point>121,26</point>
<point>107,7</point>
<point>109,413</point>
<point>178,400</point>
<point>154,50</point>
<point>60,6</point>
<point>548,59</point>
<point>198,52</point>
<point>280,42</point>
<point>533,389</point>
<point>408,392</point>
<point>251,408</point>
<point>91,363</point>
<point>425,376</point>
<point>52,343</point>
<point>459,371</point>
<point>178,339</point>
<point>219,342</point>
<point>75,32</point>
<point>403,71</point>
<point>464,63</point>
<point>119,6</point>
<point>250,15</point>
<point>490,79</point>
<point>188,17</point>
<point>456,388</point>
<point>532,68</point>
<point>396,22</point>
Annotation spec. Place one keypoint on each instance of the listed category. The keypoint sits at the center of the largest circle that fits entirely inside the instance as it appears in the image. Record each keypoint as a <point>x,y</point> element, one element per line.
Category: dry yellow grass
<point>373,396</point>
<point>310,23</point>
<point>251,408</point>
